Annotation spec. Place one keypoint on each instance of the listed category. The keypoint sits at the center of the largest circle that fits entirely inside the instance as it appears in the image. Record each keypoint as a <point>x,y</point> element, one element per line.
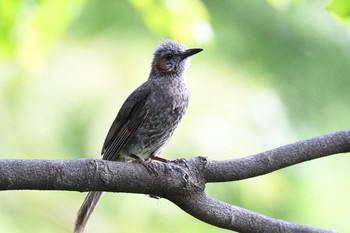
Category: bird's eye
<point>168,57</point>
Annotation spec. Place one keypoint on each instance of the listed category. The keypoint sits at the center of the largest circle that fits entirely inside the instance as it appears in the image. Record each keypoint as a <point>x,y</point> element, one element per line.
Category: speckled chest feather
<point>166,105</point>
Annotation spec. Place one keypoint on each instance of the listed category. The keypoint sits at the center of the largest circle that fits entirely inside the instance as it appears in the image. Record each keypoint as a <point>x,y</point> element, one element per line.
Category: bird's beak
<point>190,52</point>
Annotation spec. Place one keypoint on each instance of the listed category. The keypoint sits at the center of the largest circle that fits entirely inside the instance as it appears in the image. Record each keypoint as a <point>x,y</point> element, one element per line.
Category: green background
<point>271,73</point>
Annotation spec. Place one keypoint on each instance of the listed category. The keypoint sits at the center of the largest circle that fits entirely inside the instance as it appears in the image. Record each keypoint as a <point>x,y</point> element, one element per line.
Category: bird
<point>148,117</point>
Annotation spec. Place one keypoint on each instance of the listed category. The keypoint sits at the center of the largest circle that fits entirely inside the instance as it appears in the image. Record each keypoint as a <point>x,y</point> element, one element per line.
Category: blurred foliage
<point>30,28</point>
<point>340,8</point>
<point>272,72</point>
<point>283,4</point>
<point>181,20</point>
<point>303,54</point>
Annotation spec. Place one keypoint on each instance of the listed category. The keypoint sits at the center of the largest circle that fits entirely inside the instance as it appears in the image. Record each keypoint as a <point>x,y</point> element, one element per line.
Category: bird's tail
<point>85,210</point>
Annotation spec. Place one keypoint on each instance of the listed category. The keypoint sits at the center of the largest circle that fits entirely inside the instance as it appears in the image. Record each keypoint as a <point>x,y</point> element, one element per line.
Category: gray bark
<point>182,183</point>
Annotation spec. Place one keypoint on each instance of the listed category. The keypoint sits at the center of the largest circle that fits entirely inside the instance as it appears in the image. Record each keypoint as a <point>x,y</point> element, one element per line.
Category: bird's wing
<point>130,117</point>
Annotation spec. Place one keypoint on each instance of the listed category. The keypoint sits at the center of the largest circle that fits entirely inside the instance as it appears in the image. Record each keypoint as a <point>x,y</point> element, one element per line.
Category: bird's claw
<point>180,161</point>
<point>151,166</point>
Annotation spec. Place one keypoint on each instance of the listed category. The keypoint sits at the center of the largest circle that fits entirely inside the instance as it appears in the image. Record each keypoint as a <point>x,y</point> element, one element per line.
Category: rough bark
<point>181,183</point>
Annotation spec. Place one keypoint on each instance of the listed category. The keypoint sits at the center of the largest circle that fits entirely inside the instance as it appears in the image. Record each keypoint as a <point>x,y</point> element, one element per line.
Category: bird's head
<point>172,58</point>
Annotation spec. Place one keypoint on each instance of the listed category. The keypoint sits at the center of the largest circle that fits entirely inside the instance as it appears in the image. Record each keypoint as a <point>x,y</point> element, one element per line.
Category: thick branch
<point>182,184</point>
<point>80,175</point>
<point>235,218</point>
<point>281,157</point>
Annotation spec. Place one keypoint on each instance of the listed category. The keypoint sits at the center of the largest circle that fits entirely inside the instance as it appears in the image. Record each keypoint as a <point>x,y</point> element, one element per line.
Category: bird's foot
<point>151,167</point>
<point>179,161</point>
<point>176,161</point>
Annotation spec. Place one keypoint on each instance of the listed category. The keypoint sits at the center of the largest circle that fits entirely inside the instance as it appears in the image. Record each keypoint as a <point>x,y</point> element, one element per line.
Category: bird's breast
<point>166,105</point>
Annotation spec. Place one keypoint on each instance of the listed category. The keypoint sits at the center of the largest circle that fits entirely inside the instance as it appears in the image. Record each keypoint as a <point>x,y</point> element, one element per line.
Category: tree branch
<point>183,184</point>
<point>281,157</point>
<point>235,218</point>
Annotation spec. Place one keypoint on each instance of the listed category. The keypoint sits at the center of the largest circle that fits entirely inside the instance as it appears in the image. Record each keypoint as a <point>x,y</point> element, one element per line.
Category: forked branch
<point>183,184</point>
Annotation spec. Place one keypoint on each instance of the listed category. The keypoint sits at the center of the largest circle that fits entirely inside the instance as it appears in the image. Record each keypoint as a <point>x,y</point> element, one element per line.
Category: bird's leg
<point>176,161</point>
<point>136,157</point>
<point>148,164</point>
<point>160,159</point>
<point>151,168</point>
